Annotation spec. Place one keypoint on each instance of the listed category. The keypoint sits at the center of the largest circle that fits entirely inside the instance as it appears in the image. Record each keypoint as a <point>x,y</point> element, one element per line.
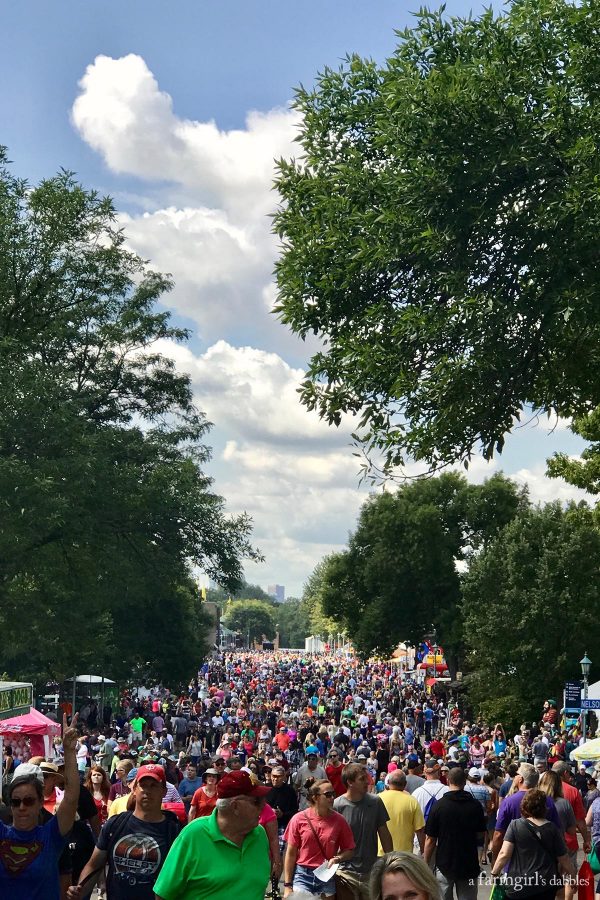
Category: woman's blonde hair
<point>415,869</point>
<point>126,765</point>
<point>551,785</point>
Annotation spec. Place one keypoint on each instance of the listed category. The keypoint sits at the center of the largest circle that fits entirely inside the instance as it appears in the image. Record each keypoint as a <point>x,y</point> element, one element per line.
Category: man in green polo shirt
<point>224,851</point>
<point>137,725</point>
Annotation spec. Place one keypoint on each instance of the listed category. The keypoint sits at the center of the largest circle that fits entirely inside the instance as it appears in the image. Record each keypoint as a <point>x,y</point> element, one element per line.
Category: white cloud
<point>295,475</point>
<point>288,562</point>
<point>214,232</point>
<point>122,113</point>
<point>252,394</point>
<point>546,490</point>
<point>220,268</point>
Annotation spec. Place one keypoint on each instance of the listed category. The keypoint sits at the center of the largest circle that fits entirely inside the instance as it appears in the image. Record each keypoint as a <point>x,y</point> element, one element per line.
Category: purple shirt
<point>510,809</point>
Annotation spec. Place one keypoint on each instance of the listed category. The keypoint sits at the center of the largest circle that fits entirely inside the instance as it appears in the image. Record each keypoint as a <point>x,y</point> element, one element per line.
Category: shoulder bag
<point>312,828</point>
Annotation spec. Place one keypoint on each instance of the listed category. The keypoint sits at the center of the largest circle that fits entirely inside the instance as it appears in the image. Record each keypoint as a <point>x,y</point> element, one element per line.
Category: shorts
<point>305,880</point>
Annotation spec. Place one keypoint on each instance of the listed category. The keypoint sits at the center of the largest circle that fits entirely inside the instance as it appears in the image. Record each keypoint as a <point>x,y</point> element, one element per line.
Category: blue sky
<point>177,110</point>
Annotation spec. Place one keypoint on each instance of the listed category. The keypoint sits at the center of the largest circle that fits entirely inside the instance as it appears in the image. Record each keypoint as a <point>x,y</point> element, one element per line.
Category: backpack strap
<point>532,829</point>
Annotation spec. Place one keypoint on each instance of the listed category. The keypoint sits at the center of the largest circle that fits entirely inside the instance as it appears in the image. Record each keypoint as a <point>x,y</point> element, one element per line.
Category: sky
<point>177,110</point>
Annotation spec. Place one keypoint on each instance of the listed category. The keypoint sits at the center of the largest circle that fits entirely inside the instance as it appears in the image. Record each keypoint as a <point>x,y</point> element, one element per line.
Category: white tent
<point>91,679</point>
<point>593,691</point>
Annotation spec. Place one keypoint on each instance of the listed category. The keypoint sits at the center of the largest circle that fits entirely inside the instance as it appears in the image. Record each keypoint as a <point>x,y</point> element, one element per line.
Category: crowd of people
<point>281,773</point>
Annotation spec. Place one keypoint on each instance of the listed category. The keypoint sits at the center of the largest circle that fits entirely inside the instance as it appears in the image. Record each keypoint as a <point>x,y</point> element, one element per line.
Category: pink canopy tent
<point>34,726</point>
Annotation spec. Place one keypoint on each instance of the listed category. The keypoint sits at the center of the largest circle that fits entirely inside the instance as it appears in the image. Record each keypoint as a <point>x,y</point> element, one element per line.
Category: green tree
<point>422,225</point>
<point>317,622</point>
<point>530,610</point>
<point>584,472</point>
<point>244,591</point>
<point>252,618</point>
<point>292,621</point>
<point>105,505</point>
<point>398,578</point>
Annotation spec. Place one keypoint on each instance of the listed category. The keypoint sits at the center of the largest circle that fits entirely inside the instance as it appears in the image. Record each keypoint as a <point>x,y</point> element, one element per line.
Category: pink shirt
<point>267,814</point>
<point>333,832</point>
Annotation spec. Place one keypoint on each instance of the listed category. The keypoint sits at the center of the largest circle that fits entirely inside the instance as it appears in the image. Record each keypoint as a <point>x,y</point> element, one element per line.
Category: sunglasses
<point>329,794</point>
<point>16,802</point>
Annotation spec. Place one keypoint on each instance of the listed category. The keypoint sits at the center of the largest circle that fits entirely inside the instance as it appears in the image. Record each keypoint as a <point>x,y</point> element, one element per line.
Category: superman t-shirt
<point>29,862</point>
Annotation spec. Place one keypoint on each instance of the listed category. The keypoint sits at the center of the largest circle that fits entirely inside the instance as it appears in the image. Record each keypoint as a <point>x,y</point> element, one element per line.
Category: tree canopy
<point>292,620</point>
<point>585,471</point>
<point>398,579</point>
<point>252,618</point>
<point>530,602</point>
<point>439,231</point>
<point>244,591</point>
<point>105,504</point>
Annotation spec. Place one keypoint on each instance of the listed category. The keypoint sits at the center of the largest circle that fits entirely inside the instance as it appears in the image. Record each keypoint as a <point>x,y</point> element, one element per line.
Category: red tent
<point>33,725</point>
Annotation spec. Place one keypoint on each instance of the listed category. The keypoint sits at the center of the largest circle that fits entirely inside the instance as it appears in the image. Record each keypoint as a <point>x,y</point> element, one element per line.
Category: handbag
<point>594,860</point>
<point>585,882</point>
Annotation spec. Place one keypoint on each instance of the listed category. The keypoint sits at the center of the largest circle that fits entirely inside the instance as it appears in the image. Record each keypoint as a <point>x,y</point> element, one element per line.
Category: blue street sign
<point>590,704</point>
<point>573,694</point>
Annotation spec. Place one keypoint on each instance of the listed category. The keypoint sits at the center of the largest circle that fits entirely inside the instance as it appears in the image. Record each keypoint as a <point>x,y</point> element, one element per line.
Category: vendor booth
<point>30,734</point>
<point>82,688</point>
<point>28,731</point>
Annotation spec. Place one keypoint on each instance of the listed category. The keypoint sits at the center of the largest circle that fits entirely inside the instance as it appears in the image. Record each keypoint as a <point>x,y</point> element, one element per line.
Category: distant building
<point>277,591</point>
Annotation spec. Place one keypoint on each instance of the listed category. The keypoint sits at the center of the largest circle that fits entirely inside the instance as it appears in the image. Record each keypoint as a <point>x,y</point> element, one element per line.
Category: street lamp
<point>586,665</point>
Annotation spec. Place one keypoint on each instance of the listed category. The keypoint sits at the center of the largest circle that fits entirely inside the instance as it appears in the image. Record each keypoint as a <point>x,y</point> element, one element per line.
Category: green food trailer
<point>16,698</point>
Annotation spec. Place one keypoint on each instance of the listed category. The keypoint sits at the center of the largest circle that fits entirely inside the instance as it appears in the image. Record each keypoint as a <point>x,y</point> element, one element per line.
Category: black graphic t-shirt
<point>136,853</point>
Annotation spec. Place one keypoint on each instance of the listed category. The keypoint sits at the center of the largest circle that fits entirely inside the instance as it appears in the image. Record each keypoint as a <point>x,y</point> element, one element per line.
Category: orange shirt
<point>202,804</point>
<point>50,802</point>
<point>282,739</point>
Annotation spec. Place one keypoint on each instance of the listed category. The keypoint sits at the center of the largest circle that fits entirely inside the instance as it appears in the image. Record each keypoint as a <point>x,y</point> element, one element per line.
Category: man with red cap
<point>134,844</point>
<point>225,851</point>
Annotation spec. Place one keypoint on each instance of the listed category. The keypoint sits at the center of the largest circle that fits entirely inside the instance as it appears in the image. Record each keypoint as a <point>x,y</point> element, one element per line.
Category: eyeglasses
<point>329,794</point>
<point>16,802</point>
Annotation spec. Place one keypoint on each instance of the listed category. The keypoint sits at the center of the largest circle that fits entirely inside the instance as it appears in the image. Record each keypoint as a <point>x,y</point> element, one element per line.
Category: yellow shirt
<point>406,817</point>
<point>118,805</point>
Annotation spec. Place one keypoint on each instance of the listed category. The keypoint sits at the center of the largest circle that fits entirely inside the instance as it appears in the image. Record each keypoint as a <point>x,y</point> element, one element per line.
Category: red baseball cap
<point>234,784</point>
<point>152,771</point>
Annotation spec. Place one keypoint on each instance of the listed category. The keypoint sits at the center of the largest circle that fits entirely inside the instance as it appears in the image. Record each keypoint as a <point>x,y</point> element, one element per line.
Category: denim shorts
<point>305,880</point>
